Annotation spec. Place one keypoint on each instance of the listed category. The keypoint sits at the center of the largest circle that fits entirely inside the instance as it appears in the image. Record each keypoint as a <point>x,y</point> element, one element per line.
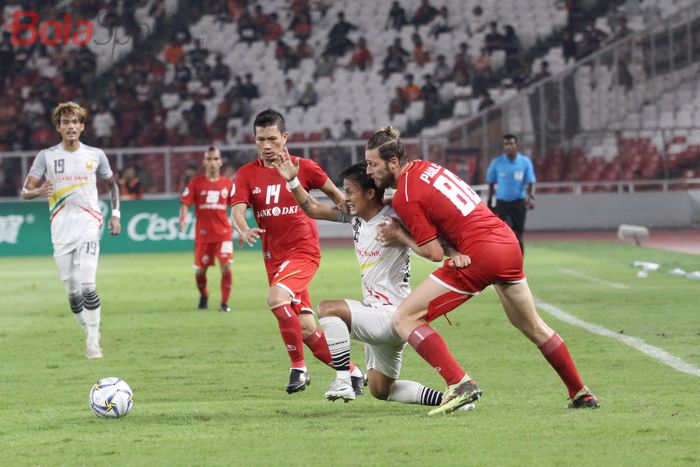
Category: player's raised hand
<point>114,226</point>
<point>46,189</point>
<point>390,232</point>
<point>284,165</point>
<point>251,235</point>
<point>459,261</point>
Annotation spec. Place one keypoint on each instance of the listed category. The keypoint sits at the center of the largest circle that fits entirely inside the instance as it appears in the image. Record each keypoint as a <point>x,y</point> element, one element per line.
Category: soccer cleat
<point>298,380</point>
<point>466,408</point>
<point>584,399</point>
<point>358,384</point>
<point>224,308</point>
<point>458,395</point>
<point>92,348</point>
<point>340,389</point>
<point>203,303</point>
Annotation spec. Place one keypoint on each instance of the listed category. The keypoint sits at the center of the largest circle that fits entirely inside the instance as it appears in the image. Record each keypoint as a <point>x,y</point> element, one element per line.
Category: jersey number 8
<point>457,191</point>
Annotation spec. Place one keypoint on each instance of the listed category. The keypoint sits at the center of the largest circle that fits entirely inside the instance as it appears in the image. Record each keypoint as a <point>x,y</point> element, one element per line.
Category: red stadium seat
<point>297,137</point>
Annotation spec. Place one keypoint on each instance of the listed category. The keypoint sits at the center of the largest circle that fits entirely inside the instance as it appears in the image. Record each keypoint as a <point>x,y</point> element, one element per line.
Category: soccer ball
<point>111,398</point>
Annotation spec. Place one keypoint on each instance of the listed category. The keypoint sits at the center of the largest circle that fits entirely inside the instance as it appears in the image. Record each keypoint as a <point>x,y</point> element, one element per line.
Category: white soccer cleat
<point>92,348</point>
<point>466,408</point>
<point>340,389</point>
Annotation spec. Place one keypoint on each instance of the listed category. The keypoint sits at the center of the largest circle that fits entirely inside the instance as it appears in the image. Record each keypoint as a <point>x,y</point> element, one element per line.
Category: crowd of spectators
<point>166,97</point>
<point>133,107</point>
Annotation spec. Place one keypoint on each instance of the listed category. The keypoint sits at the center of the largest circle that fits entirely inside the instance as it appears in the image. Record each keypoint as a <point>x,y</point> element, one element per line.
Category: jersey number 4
<point>457,191</point>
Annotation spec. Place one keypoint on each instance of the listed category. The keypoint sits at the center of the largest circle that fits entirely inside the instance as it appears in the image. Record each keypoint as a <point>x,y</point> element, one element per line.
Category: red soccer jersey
<point>210,199</point>
<point>287,229</point>
<point>432,202</point>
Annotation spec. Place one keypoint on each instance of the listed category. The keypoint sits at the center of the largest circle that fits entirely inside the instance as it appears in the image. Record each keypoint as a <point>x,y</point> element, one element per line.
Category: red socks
<point>557,354</point>
<point>431,346</point>
<point>290,328</point>
<point>318,345</point>
<point>226,282</point>
<point>202,284</point>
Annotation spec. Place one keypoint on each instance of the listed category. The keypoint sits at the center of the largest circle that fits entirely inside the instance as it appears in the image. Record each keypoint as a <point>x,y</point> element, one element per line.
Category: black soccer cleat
<point>224,308</point>
<point>358,384</point>
<point>203,303</point>
<point>585,399</point>
<point>298,380</point>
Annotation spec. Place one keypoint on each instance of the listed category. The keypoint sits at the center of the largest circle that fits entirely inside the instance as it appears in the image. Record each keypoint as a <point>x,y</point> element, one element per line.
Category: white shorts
<point>80,265</point>
<point>371,324</point>
<point>80,233</point>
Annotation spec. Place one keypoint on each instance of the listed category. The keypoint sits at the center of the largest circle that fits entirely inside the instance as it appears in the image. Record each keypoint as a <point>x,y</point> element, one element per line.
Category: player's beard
<point>387,181</point>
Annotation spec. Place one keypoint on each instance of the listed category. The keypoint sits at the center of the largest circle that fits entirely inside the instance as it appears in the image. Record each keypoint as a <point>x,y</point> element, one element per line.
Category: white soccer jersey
<point>385,270</point>
<point>74,208</point>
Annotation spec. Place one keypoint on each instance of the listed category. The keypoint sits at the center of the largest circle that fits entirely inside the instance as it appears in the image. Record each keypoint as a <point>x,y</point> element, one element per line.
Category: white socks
<point>80,318</point>
<point>338,338</point>
<point>92,322</point>
<point>410,392</point>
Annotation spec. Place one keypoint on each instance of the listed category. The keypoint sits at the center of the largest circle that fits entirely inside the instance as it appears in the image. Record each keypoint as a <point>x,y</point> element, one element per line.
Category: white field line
<point>595,280</point>
<point>634,342</point>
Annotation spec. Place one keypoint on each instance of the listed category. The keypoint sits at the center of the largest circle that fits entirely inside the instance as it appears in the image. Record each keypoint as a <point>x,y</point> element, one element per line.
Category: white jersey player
<point>71,169</point>
<point>385,274</point>
<point>385,271</point>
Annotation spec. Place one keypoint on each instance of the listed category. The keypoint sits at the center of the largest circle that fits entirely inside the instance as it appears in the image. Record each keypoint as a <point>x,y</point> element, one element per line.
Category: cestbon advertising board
<point>147,226</point>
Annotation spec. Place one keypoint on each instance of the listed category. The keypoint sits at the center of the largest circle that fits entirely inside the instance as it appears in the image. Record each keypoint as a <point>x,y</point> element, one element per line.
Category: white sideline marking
<point>634,342</point>
<point>595,280</point>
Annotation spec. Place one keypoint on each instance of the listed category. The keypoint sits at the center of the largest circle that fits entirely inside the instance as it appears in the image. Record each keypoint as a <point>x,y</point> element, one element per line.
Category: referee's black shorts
<point>513,213</point>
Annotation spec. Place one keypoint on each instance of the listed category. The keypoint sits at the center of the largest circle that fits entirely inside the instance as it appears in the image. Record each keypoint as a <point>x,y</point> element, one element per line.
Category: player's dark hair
<point>509,137</point>
<point>358,174</point>
<point>267,118</point>
<point>388,143</point>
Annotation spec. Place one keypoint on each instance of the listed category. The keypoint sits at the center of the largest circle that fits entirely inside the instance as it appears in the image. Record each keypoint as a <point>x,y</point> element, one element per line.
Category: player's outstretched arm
<point>392,233</point>
<point>334,193</point>
<point>31,188</point>
<point>308,204</point>
<point>315,209</point>
<point>114,224</point>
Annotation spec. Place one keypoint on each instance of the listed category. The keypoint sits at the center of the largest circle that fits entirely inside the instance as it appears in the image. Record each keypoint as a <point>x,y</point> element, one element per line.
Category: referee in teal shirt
<point>513,176</point>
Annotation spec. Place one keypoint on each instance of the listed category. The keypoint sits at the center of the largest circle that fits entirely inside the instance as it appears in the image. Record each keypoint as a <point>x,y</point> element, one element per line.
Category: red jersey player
<point>211,194</point>
<point>435,205</point>
<point>290,243</point>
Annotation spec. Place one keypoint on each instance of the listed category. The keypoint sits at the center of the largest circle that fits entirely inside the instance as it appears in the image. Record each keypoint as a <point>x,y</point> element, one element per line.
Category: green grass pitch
<point>209,387</point>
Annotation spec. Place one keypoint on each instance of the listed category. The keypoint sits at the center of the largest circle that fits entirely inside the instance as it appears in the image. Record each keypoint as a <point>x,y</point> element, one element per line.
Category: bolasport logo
<point>28,28</point>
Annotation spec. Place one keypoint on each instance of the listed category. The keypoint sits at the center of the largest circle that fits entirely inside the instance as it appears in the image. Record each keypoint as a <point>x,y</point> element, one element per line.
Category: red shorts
<point>491,263</point>
<point>295,275</point>
<point>204,253</point>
